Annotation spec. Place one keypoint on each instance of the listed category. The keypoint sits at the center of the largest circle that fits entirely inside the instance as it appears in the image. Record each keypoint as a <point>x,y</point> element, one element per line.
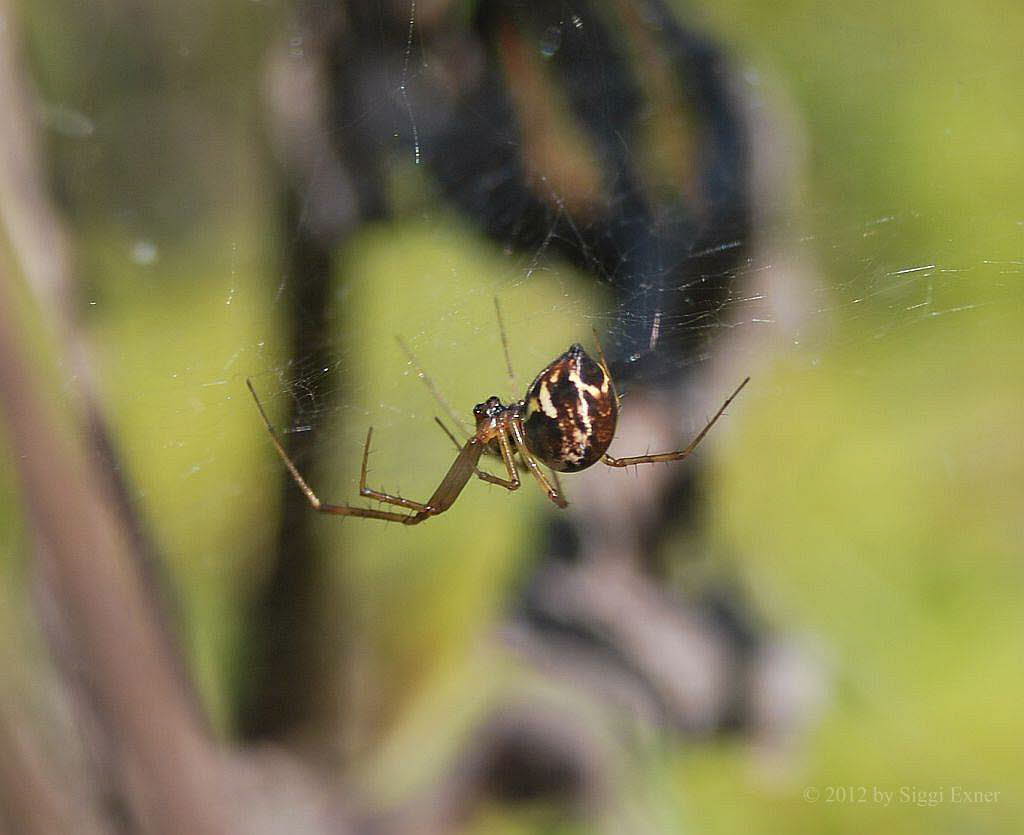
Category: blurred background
<point>865,492</point>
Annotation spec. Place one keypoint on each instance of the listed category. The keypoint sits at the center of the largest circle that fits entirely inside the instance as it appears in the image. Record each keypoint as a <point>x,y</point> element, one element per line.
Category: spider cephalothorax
<point>489,416</point>
<point>566,422</point>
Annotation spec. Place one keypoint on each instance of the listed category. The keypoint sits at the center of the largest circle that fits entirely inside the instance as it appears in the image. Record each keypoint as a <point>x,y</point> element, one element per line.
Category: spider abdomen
<point>570,412</point>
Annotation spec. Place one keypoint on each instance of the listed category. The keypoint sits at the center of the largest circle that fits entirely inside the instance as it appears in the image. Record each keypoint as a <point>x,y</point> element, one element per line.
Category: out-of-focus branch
<point>43,251</point>
<point>294,685</point>
<point>169,763</point>
<point>30,799</point>
<point>36,236</point>
<point>90,553</point>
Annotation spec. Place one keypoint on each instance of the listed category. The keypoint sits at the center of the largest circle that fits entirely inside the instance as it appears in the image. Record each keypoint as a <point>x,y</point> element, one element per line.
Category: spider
<point>566,421</point>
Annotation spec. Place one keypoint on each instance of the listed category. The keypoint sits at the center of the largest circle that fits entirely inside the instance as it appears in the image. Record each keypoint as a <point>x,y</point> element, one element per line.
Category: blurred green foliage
<point>871,490</point>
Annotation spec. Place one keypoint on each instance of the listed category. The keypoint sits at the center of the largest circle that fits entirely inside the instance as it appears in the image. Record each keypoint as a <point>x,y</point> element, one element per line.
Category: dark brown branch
<point>294,678</point>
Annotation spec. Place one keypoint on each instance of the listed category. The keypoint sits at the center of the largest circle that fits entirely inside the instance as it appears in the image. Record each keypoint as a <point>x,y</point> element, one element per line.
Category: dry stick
<point>166,755</point>
<point>87,545</point>
<point>32,799</point>
<point>35,234</point>
<point>43,253</point>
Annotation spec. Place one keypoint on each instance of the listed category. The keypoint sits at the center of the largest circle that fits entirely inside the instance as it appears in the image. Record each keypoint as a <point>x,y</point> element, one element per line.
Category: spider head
<point>487,414</point>
<point>490,408</point>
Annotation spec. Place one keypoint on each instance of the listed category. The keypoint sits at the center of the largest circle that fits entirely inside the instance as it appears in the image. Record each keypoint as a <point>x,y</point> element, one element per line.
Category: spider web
<point>826,279</point>
<point>907,225</point>
<point>894,247</point>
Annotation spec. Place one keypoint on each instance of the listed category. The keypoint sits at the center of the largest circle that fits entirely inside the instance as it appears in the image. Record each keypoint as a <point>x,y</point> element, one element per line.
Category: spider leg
<point>504,346</point>
<point>604,366</point>
<point>434,390</point>
<point>512,482</point>
<point>483,475</point>
<point>680,454</point>
<point>516,427</point>
<point>600,352</point>
<point>448,432</point>
<point>311,497</point>
<point>443,498</point>
<point>380,495</point>
<point>452,484</point>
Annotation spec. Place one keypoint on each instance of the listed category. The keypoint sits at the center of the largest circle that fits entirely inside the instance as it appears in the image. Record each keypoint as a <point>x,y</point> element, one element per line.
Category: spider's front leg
<point>380,495</point>
<point>458,475</point>
<point>519,436</point>
<point>507,458</point>
<point>512,482</point>
<point>443,498</point>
